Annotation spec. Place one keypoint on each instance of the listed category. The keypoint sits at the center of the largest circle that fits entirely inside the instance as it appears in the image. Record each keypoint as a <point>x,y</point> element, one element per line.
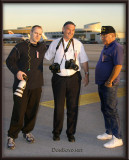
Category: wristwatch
<point>87,73</point>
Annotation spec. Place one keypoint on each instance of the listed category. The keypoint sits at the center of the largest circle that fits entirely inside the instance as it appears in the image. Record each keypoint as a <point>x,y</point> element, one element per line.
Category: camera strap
<point>73,49</point>
<point>59,44</point>
<point>67,47</point>
<point>29,57</point>
<point>57,48</point>
<point>65,50</point>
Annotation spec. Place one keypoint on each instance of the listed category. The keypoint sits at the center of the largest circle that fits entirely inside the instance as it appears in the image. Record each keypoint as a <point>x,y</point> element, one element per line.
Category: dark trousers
<point>69,88</point>
<point>108,97</point>
<point>24,112</point>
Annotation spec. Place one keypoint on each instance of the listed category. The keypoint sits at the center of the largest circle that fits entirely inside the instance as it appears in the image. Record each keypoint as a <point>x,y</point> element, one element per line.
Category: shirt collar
<point>110,44</point>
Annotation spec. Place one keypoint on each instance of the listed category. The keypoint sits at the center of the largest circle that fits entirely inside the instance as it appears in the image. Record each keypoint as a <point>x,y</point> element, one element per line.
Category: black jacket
<point>18,60</point>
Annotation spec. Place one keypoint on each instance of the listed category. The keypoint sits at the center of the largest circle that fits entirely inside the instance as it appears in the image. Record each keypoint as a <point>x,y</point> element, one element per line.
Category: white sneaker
<point>115,142</point>
<point>104,136</point>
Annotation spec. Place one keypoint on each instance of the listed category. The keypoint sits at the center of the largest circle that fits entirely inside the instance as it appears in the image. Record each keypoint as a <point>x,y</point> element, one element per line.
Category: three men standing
<point>26,59</point>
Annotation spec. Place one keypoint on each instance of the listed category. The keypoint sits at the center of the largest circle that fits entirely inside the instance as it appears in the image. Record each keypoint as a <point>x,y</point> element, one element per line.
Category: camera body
<point>71,65</point>
<point>21,87</point>
<point>55,68</point>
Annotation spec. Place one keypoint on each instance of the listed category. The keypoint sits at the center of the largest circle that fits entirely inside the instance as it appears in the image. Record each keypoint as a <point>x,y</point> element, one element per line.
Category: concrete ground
<point>90,119</point>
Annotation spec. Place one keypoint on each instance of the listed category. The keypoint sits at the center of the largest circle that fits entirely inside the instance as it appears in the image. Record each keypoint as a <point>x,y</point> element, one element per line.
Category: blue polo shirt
<point>110,56</point>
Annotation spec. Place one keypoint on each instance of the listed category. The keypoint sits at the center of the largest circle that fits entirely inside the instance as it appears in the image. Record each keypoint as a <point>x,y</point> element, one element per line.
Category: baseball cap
<point>68,22</point>
<point>107,29</point>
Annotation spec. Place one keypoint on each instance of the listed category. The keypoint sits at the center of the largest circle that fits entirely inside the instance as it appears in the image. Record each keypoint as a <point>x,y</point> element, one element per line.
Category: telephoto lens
<point>21,87</point>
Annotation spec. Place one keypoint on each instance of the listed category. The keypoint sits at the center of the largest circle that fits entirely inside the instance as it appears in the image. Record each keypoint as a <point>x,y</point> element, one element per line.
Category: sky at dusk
<point>52,16</point>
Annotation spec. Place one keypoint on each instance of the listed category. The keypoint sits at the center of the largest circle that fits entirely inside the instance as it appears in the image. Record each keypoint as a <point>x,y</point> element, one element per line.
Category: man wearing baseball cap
<point>107,77</point>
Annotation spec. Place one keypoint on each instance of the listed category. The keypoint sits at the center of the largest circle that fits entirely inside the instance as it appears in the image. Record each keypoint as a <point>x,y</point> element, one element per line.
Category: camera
<point>21,86</point>
<point>55,68</point>
<point>71,65</point>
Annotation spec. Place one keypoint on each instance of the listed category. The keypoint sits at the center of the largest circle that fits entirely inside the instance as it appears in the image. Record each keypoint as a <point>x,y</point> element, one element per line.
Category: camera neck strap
<point>57,48</point>
<point>29,57</point>
<point>66,49</point>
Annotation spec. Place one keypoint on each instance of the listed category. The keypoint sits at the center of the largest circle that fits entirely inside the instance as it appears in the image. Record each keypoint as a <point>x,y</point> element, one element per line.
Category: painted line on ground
<point>85,99</point>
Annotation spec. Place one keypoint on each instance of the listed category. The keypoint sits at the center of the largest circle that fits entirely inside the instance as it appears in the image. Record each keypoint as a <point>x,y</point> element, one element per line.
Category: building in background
<point>88,34</point>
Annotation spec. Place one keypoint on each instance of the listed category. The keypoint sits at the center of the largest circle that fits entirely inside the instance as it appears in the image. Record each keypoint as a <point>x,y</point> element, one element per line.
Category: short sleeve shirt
<point>110,57</point>
<point>58,55</point>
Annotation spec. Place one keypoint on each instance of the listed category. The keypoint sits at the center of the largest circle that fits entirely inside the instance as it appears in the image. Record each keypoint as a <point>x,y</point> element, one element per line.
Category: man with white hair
<point>107,76</point>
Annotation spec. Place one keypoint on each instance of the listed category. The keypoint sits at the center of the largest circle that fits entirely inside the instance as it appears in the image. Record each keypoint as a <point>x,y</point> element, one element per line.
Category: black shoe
<point>56,137</point>
<point>71,138</point>
<point>29,137</point>
<point>11,143</point>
